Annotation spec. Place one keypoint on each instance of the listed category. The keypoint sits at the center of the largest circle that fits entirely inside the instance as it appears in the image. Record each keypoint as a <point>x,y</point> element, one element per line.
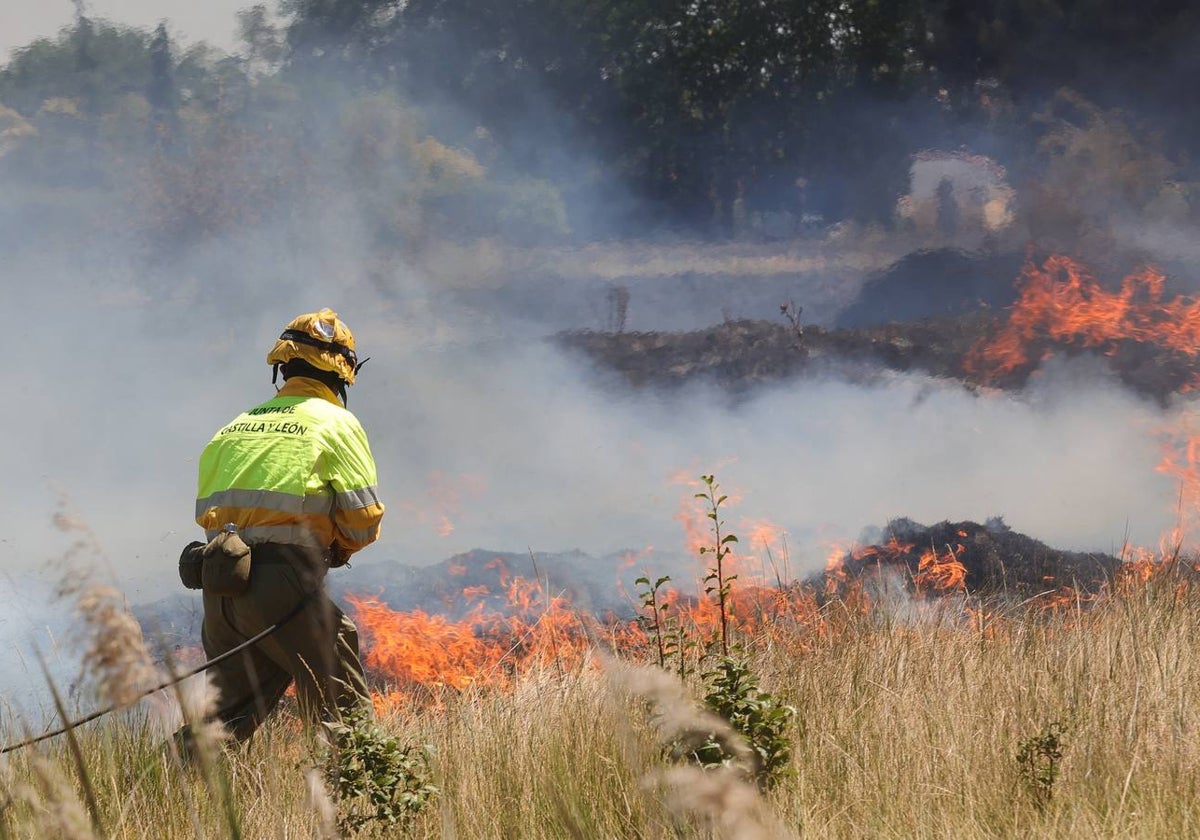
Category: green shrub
<point>373,778</point>
<point>734,695</point>
<point>1039,758</point>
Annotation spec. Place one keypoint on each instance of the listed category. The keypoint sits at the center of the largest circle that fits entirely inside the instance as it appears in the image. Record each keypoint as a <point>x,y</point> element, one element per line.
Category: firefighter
<point>294,478</point>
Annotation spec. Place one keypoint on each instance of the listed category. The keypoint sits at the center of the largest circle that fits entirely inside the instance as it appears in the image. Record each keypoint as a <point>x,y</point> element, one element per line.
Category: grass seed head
<point>321,803</point>
<point>115,650</point>
<point>678,719</point>
<point>198,704</point>
<point>721,798</point>
<point>55,809</point>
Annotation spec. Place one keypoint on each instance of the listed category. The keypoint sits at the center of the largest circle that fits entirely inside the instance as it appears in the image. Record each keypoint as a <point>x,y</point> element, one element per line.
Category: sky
<point>215,21</point>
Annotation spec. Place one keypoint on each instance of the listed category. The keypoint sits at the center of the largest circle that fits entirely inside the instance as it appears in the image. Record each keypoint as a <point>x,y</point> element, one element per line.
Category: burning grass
<point>909,724</point>
<point>951,569</point>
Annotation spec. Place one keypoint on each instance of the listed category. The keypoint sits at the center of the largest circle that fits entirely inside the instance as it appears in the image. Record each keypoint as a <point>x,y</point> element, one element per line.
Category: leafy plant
<point>372,777</point>
<point>756,715</point>
<point>666,631</point>
<point>716,582</point>
<point>653,618</point>
<point>1039,758</point>
<point>753,715</point>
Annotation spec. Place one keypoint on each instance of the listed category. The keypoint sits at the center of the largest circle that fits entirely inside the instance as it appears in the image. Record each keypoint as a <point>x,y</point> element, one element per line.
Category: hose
<point>178,678</point>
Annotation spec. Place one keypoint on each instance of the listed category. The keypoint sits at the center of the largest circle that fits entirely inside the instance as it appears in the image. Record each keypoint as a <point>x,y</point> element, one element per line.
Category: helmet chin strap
<point>342,390</point>
<point>324,377</point>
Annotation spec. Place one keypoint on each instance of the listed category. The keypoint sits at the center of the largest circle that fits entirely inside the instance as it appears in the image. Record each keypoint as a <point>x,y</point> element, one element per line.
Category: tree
<point>263,43</point>
<point>161,92</point>
<point>93,63</point>
<point>345,37</point>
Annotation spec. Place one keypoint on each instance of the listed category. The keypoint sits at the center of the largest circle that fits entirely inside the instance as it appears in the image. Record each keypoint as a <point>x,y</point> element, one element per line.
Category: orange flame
<point>944,572</point>
<point>416,655</point>
<point>1181,461</point>
<point>419,649</point>
<point>1062,302</point>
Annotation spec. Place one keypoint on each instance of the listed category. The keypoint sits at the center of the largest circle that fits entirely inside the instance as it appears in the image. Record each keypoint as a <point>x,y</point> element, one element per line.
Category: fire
<point>944,572</point>
<point>1061,302</point>
<point>764,535</point>
<point>415,656</point>
<point>416,649</point>
<point>417,653</point>
<point>1065,597</point>
<point>760,555</point>
<point>694,524</point>
<point>513,626</point>
<point>982,622</point>
<point>1181,461</point>
<point>841,582</point>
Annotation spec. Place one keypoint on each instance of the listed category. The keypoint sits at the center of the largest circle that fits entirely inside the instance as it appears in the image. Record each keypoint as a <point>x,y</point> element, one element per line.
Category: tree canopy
<point>679,113</point>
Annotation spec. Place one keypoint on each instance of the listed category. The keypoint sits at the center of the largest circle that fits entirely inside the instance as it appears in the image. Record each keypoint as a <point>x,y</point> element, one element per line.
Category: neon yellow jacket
<point>296,470</point>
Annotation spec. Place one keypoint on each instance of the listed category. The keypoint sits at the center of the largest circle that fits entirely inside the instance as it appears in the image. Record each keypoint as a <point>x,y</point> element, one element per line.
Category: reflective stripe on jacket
<point>296,470</point>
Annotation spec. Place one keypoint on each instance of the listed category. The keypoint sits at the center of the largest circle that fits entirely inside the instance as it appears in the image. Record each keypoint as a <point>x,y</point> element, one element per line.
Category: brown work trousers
<point>317,647</point>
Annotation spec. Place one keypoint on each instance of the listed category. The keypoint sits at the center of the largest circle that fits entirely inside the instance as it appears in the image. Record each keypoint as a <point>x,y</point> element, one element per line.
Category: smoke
<point>119,369</point>
<point>505,443</point>
<point>565,465</point>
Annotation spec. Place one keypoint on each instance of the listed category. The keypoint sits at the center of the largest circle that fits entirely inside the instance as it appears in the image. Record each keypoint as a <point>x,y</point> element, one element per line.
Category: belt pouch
<point>226,570</point>
<point>190,562</point>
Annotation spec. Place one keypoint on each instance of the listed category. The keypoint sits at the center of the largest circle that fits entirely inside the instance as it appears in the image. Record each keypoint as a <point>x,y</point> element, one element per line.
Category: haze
<point>214,21</point>
<point>154,248</point>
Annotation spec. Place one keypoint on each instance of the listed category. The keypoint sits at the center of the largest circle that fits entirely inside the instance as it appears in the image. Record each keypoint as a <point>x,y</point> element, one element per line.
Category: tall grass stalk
<point>85,780</point>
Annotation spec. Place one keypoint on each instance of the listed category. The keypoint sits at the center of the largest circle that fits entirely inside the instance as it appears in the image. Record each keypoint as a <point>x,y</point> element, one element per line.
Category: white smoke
<point>565,465</point>
<point>117,372</point>
<point>510,444</point>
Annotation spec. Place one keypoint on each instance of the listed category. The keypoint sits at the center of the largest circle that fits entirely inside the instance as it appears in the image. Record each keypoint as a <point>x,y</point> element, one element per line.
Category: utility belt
<point>223,565</point>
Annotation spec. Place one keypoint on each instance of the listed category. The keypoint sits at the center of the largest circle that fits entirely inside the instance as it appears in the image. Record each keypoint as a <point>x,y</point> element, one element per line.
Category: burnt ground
<point>738,356</point>
<point>999,561</point>
<point>924,313</point>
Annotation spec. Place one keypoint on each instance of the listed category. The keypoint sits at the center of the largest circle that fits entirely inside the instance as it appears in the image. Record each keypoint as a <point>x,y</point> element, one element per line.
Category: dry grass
<point>907,728</point>
<point>488,262</point>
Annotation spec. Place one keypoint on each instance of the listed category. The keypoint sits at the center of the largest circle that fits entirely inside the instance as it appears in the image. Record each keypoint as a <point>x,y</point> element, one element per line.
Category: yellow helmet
<point>322,340</point>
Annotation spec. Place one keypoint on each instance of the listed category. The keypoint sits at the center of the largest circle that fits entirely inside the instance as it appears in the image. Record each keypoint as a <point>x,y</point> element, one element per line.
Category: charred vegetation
<point>989,560</point>
<point>980,320</point>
